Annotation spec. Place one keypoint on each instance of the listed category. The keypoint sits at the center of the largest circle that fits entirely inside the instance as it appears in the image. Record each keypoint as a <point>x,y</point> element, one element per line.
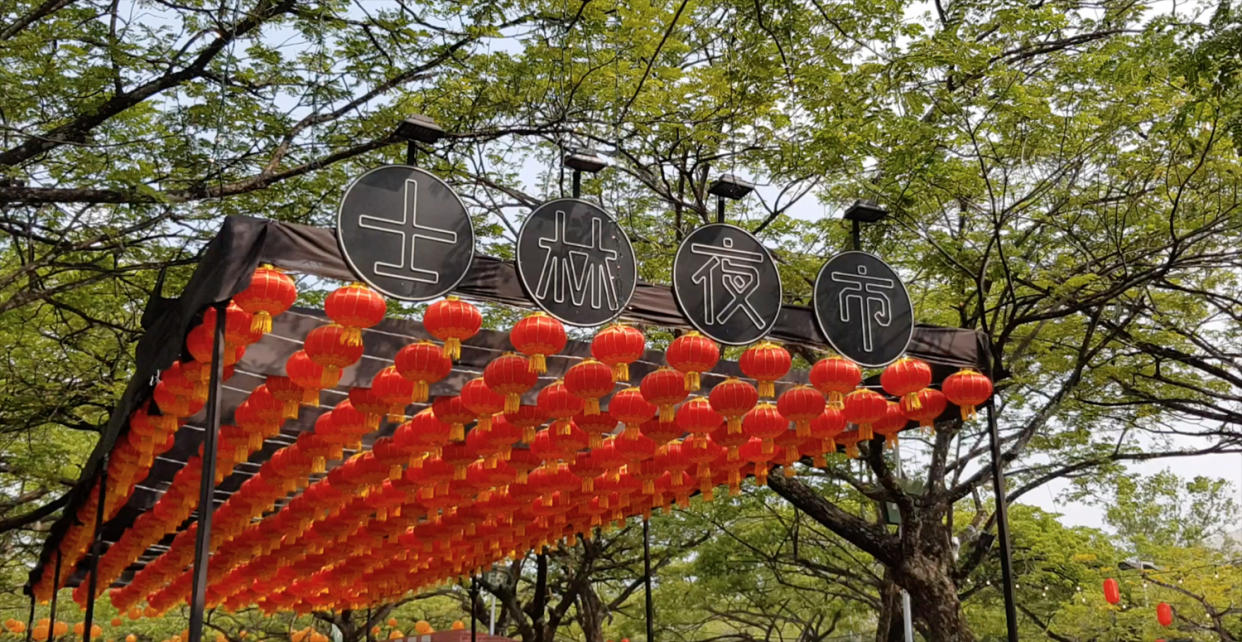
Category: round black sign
<point>726,284</point>
<point>863,309</point>
<point>576,262</point>
<point>405,233</point>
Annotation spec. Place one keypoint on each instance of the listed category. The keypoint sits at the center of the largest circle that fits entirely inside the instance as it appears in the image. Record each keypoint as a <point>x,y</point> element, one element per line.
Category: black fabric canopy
<point>225,268</point>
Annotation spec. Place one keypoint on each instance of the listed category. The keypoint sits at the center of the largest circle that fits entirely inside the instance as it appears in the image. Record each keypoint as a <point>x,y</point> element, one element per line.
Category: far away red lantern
<point>967,389</point>
<point>617,346</point>
<point>538,335</point>
<point>632,409</point>
<point>692,354</point>
<point>355,307</point>
<point>765,362</point>
<point>931,404</point>
<point>1164,614</point>
<point>326,346</point>
<point>765,423</point>
<point>270,293</point>
<point>482,401</point>
<point>1112,592</point>
<point>452,321</point>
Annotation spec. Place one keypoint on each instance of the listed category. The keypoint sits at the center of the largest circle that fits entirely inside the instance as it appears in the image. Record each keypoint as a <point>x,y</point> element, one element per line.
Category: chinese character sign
<point>576,263</point>
<point>863,309</point>
<point>726,284</point>
<point>405,233</point>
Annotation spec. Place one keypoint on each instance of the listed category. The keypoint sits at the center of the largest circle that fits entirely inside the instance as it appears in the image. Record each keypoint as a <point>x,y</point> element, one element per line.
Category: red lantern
<point>270,293</point>
<point>595,426</point>
<point>864,407</point>
<point>801,404</point>
<point>729,440</point>
<point>765,362</point>
<point>237,329</point>
<point>453,412</point>
<point>692,354</point>
<point>733,398</point>
<point>1164,614</point>
<point>482,401</point>
<point>849,440</point>
<point>835,376</point>
<point>589,380</point>
<point>327,347</point>
<point>890,424</point>
<point>528,418</point>
<point>538,335</point>
<point>904,378</point>
<point>423,364</point>
<point>764,422</point>
<point>355,306</point>
<point>510,375</point>
<point>662,432</point>
<point>825,428</point>
<point>1112,592</point>
<point>931,404</point>
<point>452,321</point>
<point>288,392</point>
<point>557,402</point>
<point>665,387</point>
<point>617,346</point>
<point>967,388</point>
<point>754,451</point>
<point>632,409</point>
<point>697,416</point>
<point>310,376</point>
<point>395,390</point>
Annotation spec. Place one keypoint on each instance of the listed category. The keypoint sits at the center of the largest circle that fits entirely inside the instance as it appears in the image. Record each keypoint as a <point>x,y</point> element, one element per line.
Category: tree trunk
<point>590,614</point>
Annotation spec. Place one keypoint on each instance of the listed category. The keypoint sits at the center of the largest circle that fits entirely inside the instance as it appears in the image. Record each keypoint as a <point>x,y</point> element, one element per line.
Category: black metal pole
<point>1002,525</point>
<point>650,610</point>
<point>856,234</point>
<point>411,153</point>
<point>96,545</point>
<point>51,620</point>
<point>577,183</point>
<point>474,609</point>
<point>30,620</point>
<point>720,207</point>
<point>207,481</point>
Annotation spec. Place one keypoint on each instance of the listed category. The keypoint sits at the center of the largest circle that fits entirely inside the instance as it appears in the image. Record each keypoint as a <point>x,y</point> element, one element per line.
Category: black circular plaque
<point>726,284</point>
<point>405,233</point>
<point>863,309</point>
<point>575,262</point>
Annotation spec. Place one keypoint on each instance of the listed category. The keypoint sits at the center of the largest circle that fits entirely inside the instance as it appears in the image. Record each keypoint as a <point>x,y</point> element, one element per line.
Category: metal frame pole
<point>96,545</point>
<point>411,153</point>
<point>474,607</point>
<point>1002,524</point>
<point>207,481</point>
<point>650,609</point>
<point>30,620</point>
<point>51,620</point>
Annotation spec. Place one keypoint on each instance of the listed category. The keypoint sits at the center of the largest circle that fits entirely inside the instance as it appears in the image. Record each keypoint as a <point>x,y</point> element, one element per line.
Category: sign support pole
<point>51,621</point>
<point>577,183</point>
<point>1002,524</point>
<point>650,609</point>
<point>206,486</point>
<point>96,545</point>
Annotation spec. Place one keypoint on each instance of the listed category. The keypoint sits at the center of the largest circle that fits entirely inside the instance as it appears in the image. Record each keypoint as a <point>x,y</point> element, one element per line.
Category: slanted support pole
<point>207,482</point>
<point>51,620</point>
<point>96,550</point>
<point>30,620</point>
<point>1002,525</point>
<point>474,609</point>
<point>649,609</point>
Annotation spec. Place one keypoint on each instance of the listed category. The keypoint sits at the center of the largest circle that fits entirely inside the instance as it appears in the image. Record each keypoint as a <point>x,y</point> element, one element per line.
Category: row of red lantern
<point>1112,595</point>
<point>181,392</point>
<point>328,350</point>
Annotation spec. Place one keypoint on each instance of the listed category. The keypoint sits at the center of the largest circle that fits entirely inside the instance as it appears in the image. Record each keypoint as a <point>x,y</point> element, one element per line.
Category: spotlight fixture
<point>419,128</point>
<point>730,187</point>
<point>584,160</point>
<point>865,211</point>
